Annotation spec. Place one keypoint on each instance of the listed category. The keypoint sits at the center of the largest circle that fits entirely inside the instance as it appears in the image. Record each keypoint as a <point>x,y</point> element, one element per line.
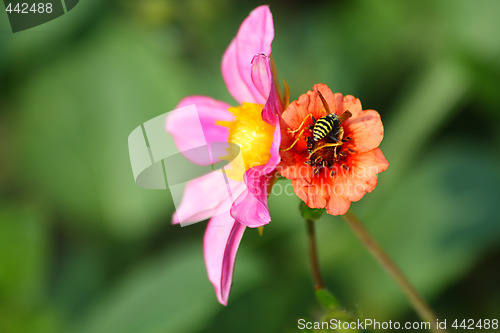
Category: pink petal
<point>207,196</point>
<point>194,128</point>
<point>262,77</point>
<point>231,73</point>
<point>251,207</point>
<point>222,238</point>
<point>255,36</point>
<point>262,74</point>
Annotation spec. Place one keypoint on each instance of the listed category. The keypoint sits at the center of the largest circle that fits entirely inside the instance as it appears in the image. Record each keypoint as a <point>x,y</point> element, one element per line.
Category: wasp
<point>326,127</point>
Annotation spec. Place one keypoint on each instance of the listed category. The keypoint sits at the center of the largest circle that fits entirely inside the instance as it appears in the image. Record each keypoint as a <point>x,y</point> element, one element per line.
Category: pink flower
<point>254,127</point>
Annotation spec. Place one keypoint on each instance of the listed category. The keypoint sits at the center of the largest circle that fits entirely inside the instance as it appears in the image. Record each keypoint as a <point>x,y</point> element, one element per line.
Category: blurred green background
<point>84,250</point>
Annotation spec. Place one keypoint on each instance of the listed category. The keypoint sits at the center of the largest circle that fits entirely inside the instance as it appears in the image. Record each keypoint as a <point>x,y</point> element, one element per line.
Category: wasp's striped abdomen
<point>325,126</point>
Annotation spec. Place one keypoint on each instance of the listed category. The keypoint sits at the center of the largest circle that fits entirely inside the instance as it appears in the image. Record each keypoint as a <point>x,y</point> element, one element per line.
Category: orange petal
<point>362,175</point>
<point>295,113</point>
<point>315,192</point>
<point>292,166</point>
<point>352,104</point>
<point>365,130</point>
<point>334,101</point>
<point>338,205</point>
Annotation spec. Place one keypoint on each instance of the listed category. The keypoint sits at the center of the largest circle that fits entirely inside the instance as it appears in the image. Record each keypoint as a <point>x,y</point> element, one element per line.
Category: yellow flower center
<point>252,135</point>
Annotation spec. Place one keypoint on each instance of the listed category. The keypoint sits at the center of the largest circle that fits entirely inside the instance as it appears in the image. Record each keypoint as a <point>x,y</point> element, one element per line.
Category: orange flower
<point>335,160</point>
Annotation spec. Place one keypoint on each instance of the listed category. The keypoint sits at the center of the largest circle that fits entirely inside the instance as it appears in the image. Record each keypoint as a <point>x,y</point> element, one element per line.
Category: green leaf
<point>327,299</point>
<point>310,213</point>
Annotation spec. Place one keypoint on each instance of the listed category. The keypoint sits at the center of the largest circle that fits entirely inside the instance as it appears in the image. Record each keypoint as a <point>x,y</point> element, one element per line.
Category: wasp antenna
<point>323,100</point>
<point>346,115</point>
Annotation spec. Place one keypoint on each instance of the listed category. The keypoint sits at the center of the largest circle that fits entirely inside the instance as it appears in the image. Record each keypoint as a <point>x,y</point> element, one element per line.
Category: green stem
<point>418,303</point>
<point>313,252</point>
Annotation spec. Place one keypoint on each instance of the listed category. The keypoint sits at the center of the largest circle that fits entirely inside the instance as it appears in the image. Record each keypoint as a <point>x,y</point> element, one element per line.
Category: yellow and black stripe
<point>324,126</point>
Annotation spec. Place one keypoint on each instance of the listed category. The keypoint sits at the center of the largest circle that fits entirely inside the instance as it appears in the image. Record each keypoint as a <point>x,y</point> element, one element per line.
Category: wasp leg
<point>296,140</point>
<point>325,146</point>
<point>338,135</point>
<point>333,136</point>
<point>302,123</point>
